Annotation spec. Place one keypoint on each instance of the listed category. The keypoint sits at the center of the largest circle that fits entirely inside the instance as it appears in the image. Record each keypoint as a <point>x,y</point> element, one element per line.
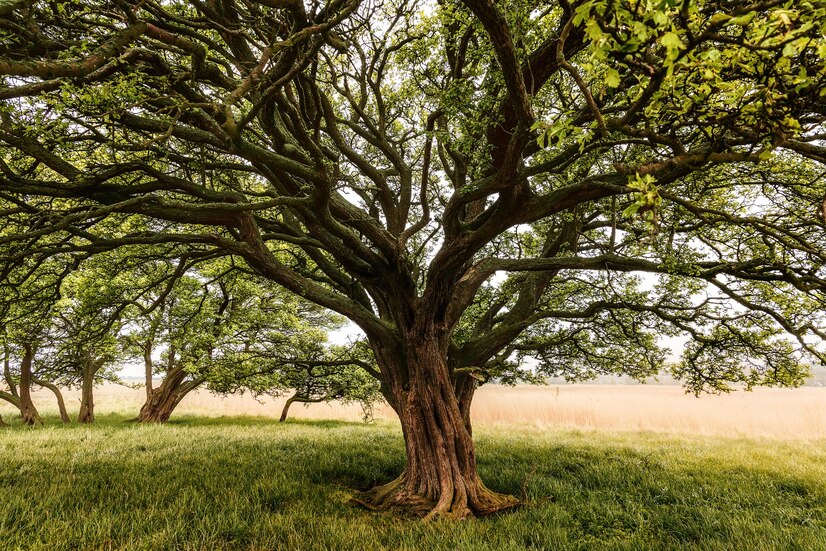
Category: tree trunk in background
<point>147,366</point>
<point>28,412</point>
<point>286,409</point>
<point>87,398</point>
<point>61,405</point>
<point>296,398</point>
<point>440,477</point>
<point>3,423</point>
<point>166,397</point>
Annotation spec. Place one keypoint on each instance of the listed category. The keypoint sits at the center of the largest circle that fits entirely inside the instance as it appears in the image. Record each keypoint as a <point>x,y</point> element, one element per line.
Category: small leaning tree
<point>469,182</point>
<point>297,361</point>
<point>185,321</point>
<point>29,291</point>
<point>84,348</point>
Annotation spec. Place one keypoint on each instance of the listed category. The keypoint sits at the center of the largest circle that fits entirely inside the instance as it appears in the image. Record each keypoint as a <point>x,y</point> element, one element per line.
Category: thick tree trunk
<point>87,399</point>
<point>28,412</point>
<point>440,477</point>
<point>165,398</point>
<point>61,405</point>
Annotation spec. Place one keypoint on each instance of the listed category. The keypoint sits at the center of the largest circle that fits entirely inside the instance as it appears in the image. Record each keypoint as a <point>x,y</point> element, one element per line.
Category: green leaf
<point>673,44</point>
<point>790,49</point>
<point>593,30</point>
<point>718,18</point>
<point>632,209</point>
<point>742,20</point>
<point>612,78</point>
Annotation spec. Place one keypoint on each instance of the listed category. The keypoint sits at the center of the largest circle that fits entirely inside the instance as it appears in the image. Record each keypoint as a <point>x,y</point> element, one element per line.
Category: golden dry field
<point>769,413</point>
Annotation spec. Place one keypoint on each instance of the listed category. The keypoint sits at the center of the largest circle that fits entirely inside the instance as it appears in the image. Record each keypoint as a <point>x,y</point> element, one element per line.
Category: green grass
<point>241,483</point>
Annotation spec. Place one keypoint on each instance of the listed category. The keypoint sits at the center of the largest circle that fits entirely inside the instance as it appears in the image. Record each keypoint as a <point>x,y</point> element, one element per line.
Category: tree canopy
<point>471,183</point>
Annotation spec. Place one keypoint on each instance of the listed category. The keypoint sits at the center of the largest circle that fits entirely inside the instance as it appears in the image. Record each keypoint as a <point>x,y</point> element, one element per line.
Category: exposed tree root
<point>454,503</point>
<point>30,416</point>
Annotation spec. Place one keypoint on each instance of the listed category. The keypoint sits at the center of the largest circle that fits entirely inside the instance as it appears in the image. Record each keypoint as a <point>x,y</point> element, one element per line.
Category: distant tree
<point>277,344</point>
<point>218,327</point>
<point>468,182</point>
<point>58,393</point>
<point>20,388</point>
<point>187,324</point>
<point>319,379</point>
<point>28,293</point>
<point>84,346</point>
<point>62,324</point>
<point>301,365</point>
<point>11,395</point>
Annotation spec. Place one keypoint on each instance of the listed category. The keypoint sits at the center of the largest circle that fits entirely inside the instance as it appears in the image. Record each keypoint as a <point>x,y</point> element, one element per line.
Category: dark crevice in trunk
<point>465,388</point>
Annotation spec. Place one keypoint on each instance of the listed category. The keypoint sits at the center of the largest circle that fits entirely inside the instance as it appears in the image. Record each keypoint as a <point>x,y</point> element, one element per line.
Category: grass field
<point>248,482</point>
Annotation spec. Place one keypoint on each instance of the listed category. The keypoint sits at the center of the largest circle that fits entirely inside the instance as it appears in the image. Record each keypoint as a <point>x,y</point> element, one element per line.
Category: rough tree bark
<point>87,389</point>
<point>28,412</point>
<point>296,398</point>
<point>61,404</point>
<point>165,398</point>
<point>440,478</point>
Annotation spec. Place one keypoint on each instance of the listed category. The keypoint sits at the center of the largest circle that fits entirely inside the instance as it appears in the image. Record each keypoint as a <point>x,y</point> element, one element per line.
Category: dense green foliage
<point>254,484</point>
<point>359,154</point>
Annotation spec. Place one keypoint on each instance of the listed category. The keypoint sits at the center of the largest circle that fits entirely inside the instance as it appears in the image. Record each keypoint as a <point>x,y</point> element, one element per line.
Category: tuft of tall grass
<point>252,483</point>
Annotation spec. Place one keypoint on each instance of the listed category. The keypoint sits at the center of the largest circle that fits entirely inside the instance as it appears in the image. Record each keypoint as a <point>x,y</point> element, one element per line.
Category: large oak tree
<point>471,183</point>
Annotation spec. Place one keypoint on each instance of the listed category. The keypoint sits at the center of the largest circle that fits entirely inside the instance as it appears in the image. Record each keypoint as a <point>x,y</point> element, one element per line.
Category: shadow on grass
<point>116,419</point>
<point>259,421</point>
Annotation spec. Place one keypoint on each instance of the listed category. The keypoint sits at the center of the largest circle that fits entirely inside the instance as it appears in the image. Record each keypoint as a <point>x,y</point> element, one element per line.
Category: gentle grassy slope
<point>242,483</point>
